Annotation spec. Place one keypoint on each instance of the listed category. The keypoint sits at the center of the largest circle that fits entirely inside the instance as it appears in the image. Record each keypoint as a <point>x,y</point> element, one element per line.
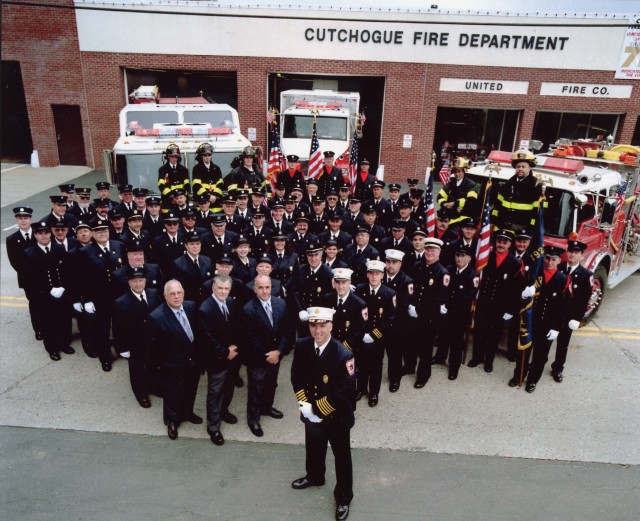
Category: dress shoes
<point>342,512</point>
<point>238,382</point>
<point>106,366</point>
<point>453,376</point>
<point>556,376</point>
<point>55,356</point>
<point>394,386</point>
<point>216,438</point>
<point>514,382</point>
<point>172,431</point>
<point>194,418</point>
<point>373,400</point>
<point>145,403</point>
<point>39,335</point>
<point>90,353</point>
<point>68,350</point>
<point>273,413</point>
<point>229,418</point>
<point>488,368</point>
<point>420,384</point>
<point>359,395</point>
<point>305,482</point>
<point>530,388</point>
<point>256,430</point>
<point>473,363</point>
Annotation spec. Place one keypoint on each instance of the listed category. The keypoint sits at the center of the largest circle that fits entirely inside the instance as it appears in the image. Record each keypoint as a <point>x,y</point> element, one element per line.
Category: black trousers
<point>263,380</point>
<point>562,348</point>
<point>100,335</point>
<point>369,362</point>
<point>427,330</point>
<point>53,317</point>
<point>140,372</point>
<point>220,387</point>
<point>33,313</point>
<point>316,436</point>
<point>410,349</point>
<point>454,340</point>
<point>180,388</point>
<point>394,349</point>
<point>540,355</point>
<point>486,335</point>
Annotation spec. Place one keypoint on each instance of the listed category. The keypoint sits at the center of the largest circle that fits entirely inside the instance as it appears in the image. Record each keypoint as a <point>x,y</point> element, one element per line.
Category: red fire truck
<point>593,198</point>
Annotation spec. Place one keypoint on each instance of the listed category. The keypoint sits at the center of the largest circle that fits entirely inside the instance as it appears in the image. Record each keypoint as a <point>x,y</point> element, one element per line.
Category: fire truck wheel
<point>597,293</point>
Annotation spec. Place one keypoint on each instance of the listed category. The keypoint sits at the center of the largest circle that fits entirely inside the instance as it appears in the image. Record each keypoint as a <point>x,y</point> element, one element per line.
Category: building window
<point>551,126</point>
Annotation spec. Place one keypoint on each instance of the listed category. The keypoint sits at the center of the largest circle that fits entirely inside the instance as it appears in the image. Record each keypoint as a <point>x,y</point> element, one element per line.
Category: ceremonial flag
<point>353,163</point>
<point>484,240</point>
<point>620,193</point>
<point>536,255</point>
<point>429,208</point>
<point>276,160</point>
<point>444,173</point>
<point>315,157</point>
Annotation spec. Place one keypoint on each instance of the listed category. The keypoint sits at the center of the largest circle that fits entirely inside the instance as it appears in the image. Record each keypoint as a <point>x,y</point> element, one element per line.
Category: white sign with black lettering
<point>406,140</point>
<point>488,86</point>
<point>585,90</point>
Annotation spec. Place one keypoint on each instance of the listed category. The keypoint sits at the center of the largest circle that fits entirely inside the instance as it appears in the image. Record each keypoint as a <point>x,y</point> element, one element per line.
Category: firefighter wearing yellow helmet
<point>517,204</point>
<point>207,176</point>
<point>172,174</point>
<point>458,199</point>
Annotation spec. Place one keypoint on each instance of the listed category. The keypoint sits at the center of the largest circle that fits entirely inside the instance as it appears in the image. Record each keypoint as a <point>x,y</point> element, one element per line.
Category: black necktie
<point>46,249</point>
<point>220,241</point>
<point>195,261</point>
<point>26,236</point>
<point>359,251</point>
<point>317,351</point>
<point>339,305</point>
<point>173,240</point>
<point>278,228</point>
<point>373,293</point>
<point>106,250</point>
<point>143,300</point>
<point>280,256</point>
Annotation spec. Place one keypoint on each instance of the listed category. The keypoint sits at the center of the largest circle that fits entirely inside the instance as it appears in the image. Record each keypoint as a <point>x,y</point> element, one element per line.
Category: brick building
<point>424,76</point>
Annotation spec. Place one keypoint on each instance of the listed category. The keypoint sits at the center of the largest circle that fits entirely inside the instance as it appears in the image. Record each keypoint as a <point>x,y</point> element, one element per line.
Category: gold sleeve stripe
<point>301,396</point>
<point>346,344</point>
<point>324,406</point>
<point>376,332</point>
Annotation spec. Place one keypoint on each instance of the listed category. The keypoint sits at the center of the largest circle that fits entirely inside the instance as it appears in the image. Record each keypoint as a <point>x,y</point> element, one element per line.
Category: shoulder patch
<point>410,288</point>
<point>351,366</point>
<point>365,313</point>
<point>445,280</point>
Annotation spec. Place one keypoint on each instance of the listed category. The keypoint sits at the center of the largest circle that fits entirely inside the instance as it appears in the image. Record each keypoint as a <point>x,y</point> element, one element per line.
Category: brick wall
<point>54,71</point>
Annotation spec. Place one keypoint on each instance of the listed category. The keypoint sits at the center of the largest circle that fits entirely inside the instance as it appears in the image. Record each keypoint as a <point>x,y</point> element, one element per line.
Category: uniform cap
<point>115,215</point>
<point>189,211</point>
<point>365,161</point>
<point>258,191</point>
<point>375,265</point>
<point>405,204</point>
<point>101,203</point>
<point>464,249</point>
<point>99,224</point>
<point>279,237</point>
<point>399,224</point>
<point>178,191</point>
<point>318,313</point>
<point>505,234</point>
<point>140,192</point>
<point>292,158</point>
<point>368,208</point>
<point>312,181</point>
<point>58,224</point>
<point>265,257</point>
<point>416,192</point>
<point>217,219</point>
<point>23,210</point>
<point>225,259</point>
<point>134,214</point>
<point>124,189</point>
<point>241,239</point>
<point>41,226</point>
<point>58,199</point>
<point>302,218</point>
<point>420,233</point>
<point>134,245</point>
<point>394,187</point>
<point>136,273</point>
<point>469,223</point>
<point>329,153</point>
<point>378,184</point>
<point>171,217</point>
<point>354,200</point>
<point>362,229</point>
<point>154,199</point>
<point>102,185</point>
<point>432,242</point>
<point>412,181</point>
<point>392,254</point>
<point>313,247</point>
<point>553,251</point>
<point>83,192</point>
<point>342,273</point>
<point>68,188</point>
<point>242,193</point>
<point>81,224</point>
<point>524,234</point>
<point>192,237</point>
<point>576,246</point>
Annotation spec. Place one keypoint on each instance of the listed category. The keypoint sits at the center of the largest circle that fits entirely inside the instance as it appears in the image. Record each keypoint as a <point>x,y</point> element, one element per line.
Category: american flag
<point>444,173</point>
<point>620,193</point>
<point>353,163</point>
<point>429,208</point>
<point>276,160</point>
<point>270,116</point>
<point>484,241</point>
<point>315,157</point>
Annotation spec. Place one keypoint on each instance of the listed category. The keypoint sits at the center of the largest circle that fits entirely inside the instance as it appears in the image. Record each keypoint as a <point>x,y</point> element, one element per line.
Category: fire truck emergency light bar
<point>170,132</point>
<point>312,105</point>
<point>570,166</point>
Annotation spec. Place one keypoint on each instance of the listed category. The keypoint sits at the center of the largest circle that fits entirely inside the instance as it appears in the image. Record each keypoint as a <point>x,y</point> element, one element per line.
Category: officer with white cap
<point>323,377</point>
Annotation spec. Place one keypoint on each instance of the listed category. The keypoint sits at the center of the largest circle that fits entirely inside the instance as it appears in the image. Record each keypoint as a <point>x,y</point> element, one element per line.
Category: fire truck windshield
<point>326,127</point>
<point>216,118</point>
<point>145,119</point>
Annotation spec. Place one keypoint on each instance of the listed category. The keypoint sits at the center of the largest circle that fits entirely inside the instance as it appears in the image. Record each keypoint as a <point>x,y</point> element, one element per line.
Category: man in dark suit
<point>258,234</point>
<point>17,243</point>
<point>335,233</point>
<point>172,327</point>
<point>97,263</point>
<point>581,289</point>
<point>330,177</point>
<point>169,245</point>
<point>218,240</point>
<point>268,337</point>
<point>218,331</point>
<point>83,209</point>
<point>381,205</point>
<point>397,240</point>
<point>301,238</point>
<point>152,220</point>
<point>47,278</point>
<point>59,212</point>
<point>192,269</point>
<point>102,187</point>
<point>358,254</point>
<point>126,204</point>
<point>323,377</point>
<point>130,327</point>
<point>134,231</point>
<point>381,310</point>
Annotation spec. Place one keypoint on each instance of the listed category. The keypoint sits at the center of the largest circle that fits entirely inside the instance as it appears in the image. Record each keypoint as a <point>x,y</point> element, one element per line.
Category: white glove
<point>412,311</point>
<point>56,292</point>
<point>529,291</point>
<point>367,339</point>
<point>89,307</point>
<point>507,316</point>
<point>552,334</point>
<point>78,307</point>
<point>307,412</point>
<point>574,324</point>
<point>352,287</point>
<point>126,354</point>
<point>443,309</point>
<point>304,316</point>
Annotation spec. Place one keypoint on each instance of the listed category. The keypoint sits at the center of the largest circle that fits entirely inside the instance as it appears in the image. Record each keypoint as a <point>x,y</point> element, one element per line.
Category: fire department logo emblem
<point>351,367</point>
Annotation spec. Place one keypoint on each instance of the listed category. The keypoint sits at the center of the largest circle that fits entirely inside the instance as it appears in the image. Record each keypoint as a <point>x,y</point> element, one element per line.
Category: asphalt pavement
<point>75,444</point>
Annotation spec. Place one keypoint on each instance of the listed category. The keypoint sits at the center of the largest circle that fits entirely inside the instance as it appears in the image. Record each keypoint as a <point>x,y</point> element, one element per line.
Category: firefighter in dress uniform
<point>323,377</point>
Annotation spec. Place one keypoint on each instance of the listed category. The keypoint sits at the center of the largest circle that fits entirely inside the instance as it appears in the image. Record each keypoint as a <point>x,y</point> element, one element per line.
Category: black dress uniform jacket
<point>348,320</point>
<point>306,289</point>
<point>358,261</point>
<point>191,276</point>
<point>154,277</point>
<point>16,245</point>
